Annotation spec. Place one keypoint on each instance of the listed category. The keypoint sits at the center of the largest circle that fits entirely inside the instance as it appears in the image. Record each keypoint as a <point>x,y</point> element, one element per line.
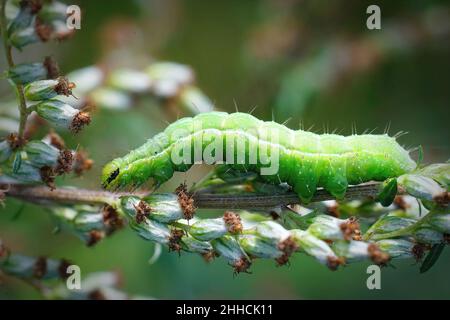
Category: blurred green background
<point>312,61</point>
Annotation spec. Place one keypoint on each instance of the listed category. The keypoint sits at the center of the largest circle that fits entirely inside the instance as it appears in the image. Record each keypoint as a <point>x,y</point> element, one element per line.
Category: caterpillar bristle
<point>387,128</point>
<point>252,110</point>
<point>400,134</point>
<point>235,105</point>
<point>286,121</point>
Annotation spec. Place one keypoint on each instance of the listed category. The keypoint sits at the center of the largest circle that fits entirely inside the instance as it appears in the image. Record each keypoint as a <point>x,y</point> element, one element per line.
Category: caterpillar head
<point>109,175</point>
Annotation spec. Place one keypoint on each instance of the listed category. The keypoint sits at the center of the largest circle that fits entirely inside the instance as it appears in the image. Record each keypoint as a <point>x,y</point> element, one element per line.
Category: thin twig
<point>42,194</point>
<point>7,47</point>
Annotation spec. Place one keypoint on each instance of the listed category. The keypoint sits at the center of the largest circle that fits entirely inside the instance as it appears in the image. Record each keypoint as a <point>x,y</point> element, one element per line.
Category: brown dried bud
<point>94,237</point>
<point>175,240</point>
<point>233,222</point>
<point>186,201</point>
<point>334,262</point>
<point>82,162</point>
<point>378,256</point>
<point>351,229</point>
<point>143,211</point>
<point>80,120</point>
<point>40,267</point>
<point>52,68</point>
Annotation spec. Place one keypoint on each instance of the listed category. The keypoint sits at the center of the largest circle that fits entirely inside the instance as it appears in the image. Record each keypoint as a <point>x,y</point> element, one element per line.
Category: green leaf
<point>432,257</point>
<point>388,193</point>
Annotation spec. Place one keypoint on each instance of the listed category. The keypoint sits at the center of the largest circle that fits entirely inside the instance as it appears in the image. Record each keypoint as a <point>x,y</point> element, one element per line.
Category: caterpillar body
<point>306,160</point>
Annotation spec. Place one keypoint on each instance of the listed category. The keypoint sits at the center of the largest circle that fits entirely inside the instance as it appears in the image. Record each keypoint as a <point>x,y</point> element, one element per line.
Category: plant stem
<point>42,194</point>
<point>8,53</point>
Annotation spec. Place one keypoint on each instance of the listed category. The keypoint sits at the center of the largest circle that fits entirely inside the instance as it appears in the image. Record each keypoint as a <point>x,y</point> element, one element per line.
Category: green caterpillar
<point>305,160</point>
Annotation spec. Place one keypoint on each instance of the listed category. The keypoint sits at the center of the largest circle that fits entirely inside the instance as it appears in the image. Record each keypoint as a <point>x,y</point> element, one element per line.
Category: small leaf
<point>388,193</point>
<point>432,257</point>
<point>17,163</point>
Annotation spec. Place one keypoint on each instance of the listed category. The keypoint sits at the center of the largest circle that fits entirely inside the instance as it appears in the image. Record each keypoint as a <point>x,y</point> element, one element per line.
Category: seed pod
<point>52,11</point>
<point>24,17</point>
<point>389,223</point>
<point>352,251</point>
<point>191,244</point>
<point>129,80</point>
<point>193,99</point>
<point>48,89</point>
<point>62,115</point>
<point>421,187</point>
<point>397,248</point>
<point>146,228</point>
<point>5,151</point>
<point>208,229</point>
<point>24,37</point>
<point>258,248</point>
<point>315,247</point>
<point>25,172</point>
<point>439,172</point>
<point>331,228</point>
<point>31,268</point>
<point>87,79</point>
<point>229,248</point>
<point>163,207</point>
<point>27,72</point>
<point>85,222</point>
<point>110,99</point>
<point>428,235</point>
<point>178,73</point>
<point>40,154</point>
<point>440,222</point>
<point>271,231</point>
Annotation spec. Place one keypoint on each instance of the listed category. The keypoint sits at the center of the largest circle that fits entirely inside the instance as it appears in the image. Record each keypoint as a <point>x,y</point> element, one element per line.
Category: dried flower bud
<point>229,248</point>
<point>62,115</point>
<point>397,248</point>
<point>421,187</point>
<point>441,222</point>
<point>24,37</point>
<point>331,228</point>
<point>352,251</point>
<point>129,80</point>
<point>25,16</point>
<point>194,100</point>
<point>87,79</point>
<point>48,89</point>
<point>53,10</point>
<point>191,244</point>
<point>41,154</point>
<point>27,72</point>
<point>147,228</point>
<point>208,229</point>
<point>389,223</point>
<point>165,207</point>
<point>178,73</point>
<point>314,247</point>
<point>258,248</point>
<point>24,172</point>
<point>428,235</point>
<point>439,172</point>
<point>5,151</point>
<point>30,267</point>
<point>110,99</point>
<point>271,231</point>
